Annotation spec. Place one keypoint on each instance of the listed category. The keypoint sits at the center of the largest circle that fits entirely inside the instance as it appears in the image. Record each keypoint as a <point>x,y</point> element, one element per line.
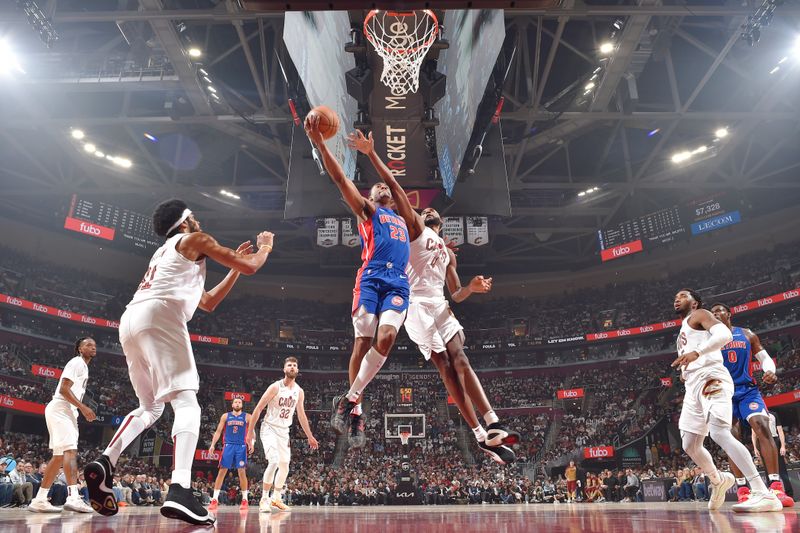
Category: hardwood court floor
<point>564,518</point>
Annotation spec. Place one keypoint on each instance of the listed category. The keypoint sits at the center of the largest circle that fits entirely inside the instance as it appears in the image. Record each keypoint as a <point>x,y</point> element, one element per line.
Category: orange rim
<point>401,51</point>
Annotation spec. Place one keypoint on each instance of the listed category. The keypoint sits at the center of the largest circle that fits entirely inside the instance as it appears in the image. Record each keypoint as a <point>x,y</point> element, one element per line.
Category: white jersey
<point>171,276</point>
<point>280,410</point>
<point>689,340</point>
<point>76,371</point>
<point>427,265</point>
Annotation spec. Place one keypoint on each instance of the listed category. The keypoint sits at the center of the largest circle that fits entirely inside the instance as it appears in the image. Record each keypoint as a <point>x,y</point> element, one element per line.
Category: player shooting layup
<point>281,399</point>
<point>380,297</point>
<point>159,354</point>
<point>431,324</point>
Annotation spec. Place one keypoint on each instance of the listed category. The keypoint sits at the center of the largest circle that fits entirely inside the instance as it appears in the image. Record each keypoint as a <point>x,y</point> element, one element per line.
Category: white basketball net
<point>401,39</point>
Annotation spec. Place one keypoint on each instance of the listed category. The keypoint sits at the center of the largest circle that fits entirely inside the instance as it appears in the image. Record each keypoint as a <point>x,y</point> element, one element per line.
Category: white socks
<point>42,493</point>
<point>370,366</point>
<point>245,494</point>
<point>73,491</point>
<point>490,417</point>
<point>216,494</point>
<point>480,433</point>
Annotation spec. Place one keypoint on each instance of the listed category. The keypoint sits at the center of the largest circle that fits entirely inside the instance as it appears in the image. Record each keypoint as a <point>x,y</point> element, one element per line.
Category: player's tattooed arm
<point>478,284</point>
<point>361,207</point>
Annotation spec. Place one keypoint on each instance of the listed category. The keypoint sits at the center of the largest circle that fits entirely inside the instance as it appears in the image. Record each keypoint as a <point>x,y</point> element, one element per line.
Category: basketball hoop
<point>401,38</point>
<point>404,436</point>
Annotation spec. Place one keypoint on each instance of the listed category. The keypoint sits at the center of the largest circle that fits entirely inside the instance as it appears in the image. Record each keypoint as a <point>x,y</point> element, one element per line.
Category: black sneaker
<point>340,410</point>
<point>99,475</point>
<point>357,438</point>
<point>498,435</point>
<point>499,454</point>
<point>181,504</point>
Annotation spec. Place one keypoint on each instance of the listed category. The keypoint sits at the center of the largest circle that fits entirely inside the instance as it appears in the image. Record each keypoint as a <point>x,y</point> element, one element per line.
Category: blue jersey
<point>381,282</point>
<point>736,356</point>
<point>235,428</point>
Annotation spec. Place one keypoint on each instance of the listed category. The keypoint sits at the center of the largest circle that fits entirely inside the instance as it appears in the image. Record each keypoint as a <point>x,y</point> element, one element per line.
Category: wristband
<point>265,246</point>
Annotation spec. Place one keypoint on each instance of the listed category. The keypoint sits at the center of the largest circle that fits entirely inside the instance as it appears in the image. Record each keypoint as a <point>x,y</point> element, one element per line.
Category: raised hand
<point>480,284</point>
<point>265,238</point>
<point>451,244</point>
<point>357,141</point>
<point>311,125</point>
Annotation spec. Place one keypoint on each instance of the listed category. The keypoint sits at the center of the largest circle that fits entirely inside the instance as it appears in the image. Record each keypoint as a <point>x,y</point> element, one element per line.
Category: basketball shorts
<point>707,400</point>
<point>431,325</point>
<point>572,486</point>
<point>233,456</point>
<point>62,425</point>
<point>381,289</point>
<point>276,444</point>
<point>748,402</point>
<point>158,351</point>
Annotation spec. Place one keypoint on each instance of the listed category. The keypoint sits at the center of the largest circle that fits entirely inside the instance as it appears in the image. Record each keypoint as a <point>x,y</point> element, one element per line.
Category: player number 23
<point>397,233</point>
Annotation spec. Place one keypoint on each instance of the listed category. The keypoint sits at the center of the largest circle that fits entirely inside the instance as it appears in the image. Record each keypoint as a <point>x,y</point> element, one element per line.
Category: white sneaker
<point>718,491</point>
<point>277,506</point>
<point>759,502</point>
<point>43,506</point>
<point>263,506</point>
<point>77,505</point>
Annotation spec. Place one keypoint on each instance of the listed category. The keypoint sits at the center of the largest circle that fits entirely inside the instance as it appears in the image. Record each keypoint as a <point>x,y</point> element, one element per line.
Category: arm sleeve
<point>720,336</point>
<point>767,364</point>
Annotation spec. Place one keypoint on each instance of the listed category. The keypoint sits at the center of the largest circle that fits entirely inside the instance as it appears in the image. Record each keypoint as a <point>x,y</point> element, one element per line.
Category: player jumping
<point>234,450</point>
<point>707,404</point>
<point>380,296</point>
<point>748,405</point>
<point>431,324</point>
<point>280,399</point>
<point>159,354</point>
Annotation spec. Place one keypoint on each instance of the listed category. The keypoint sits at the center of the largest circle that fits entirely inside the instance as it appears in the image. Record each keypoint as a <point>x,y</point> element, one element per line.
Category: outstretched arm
<point>361,207</point>
<point>198,245</point>
<point>366,145</point>
<point>478,284</point>
<point>301,417</point>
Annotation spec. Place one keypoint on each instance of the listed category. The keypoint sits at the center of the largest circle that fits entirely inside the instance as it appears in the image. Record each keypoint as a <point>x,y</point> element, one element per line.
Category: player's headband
<point>184,216</point>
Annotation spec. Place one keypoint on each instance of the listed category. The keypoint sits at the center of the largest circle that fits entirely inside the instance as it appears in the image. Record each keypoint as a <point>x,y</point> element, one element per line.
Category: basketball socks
<point>370,366</point>
<point>774,477</point>
<point>216,494</point>
<point>741,482</point>
<point>73,491</point>
<point>42,493</point>
<point>245,494</point>
<point>356,410</point>
<point>185,431</point>
<point>490,417</point>
<point>480,433</point>
<point>277,494</point>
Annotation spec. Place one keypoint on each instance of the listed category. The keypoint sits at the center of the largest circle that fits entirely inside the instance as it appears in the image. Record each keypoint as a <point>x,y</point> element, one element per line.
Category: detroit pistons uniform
<point>275,429</point>
<point>747,400</point>
<point>60,415</point>
<point>381,282</point>
<point>430,323</point>
<point>153,329</point>
<point>709,387</point>
<point>234,449</point>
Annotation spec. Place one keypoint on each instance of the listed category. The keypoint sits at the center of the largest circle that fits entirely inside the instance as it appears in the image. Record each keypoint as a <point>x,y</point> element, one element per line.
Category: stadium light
<point>77,134</point>
<point>589,86</point>
<point>123,162</point>
<point>195,52</point>
<point>89,147</point>
<point>99,154</point>
<point>8,60</point>
<point>606,48</point>
<point>150,137</point>
<point>721,133</point>
<point>212,89</point>
<point>680,157</point>
<point>774,70</point>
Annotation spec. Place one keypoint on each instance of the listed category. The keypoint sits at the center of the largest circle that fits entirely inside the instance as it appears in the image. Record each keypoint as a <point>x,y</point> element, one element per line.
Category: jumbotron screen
<point>101,220</point>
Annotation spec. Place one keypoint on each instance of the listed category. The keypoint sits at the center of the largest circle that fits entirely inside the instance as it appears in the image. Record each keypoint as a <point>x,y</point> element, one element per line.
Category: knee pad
<point>149,414</point>
<point>187,413</point>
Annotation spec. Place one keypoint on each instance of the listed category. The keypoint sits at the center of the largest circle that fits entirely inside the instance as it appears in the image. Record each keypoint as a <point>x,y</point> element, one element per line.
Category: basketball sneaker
<point>777,488</point>
<point>263,505</point>
<point>77,505</point>
<point>181,504</point>
<point>497,435</point>
<point>277,506</point>
<point>499,454</point>
<point>341,408</point>
<point>718,490</point>
<point>43,506</point>
<point>244,506</point>
<point>98,475</point>
<point>742,494</point>
<point>357,438</point>
<point>213,505</point>
<point>759,502</point>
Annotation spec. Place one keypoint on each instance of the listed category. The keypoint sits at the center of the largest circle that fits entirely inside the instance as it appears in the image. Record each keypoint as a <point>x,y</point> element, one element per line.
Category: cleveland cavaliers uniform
<point>153,329</point>
<point>275,429</point>
<point>60,415</point>
<point>430,323</point>
<point>704,398</point>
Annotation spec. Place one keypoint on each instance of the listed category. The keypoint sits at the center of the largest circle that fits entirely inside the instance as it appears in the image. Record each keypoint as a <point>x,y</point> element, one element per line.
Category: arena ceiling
<point>678,74</point>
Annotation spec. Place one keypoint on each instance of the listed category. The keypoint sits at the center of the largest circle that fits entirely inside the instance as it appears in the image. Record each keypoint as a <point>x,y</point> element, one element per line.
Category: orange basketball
<point>328,120</point>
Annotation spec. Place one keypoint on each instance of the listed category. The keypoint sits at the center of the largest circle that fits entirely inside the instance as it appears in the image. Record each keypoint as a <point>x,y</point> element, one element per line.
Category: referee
<point>776,429</point>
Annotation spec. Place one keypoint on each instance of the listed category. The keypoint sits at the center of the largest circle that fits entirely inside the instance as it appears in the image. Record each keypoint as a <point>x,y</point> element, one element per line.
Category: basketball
<point>328,120</point>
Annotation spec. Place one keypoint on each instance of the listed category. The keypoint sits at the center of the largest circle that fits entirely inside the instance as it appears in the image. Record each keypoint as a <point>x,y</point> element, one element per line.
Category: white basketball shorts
<point>62,425</point>
<point>276,444</point>
<point>708,399</point>
<point>431,325</point>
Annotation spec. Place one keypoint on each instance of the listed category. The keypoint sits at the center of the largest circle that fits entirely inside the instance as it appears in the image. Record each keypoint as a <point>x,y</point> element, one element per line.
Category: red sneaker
<point>743,494</point>
<point>213,505</point>
<point>244,505</point>
<point>777,488</point>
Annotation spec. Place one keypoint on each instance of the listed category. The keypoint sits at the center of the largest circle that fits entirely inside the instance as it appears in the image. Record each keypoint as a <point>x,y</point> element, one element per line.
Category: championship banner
<point>244,396</point>
<point>666,382</point>
<point>46,371</point>
<point>350,236</point>
<point>598,452</point>
<point>327,232</point>
<point>453,230</point>
<point>783,399</point>
<point>203,455</point>
<point>21,405</point>
<point>477,231</point>
<point>569,394</point>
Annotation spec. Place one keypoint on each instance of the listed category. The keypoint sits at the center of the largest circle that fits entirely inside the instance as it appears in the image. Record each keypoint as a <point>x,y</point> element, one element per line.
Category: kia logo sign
<point>621,250</point>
